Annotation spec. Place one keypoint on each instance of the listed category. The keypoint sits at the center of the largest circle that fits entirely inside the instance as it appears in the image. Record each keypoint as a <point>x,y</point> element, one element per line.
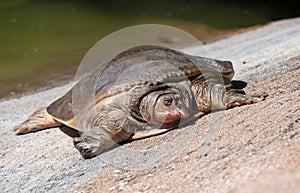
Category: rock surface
<point>254,148</point>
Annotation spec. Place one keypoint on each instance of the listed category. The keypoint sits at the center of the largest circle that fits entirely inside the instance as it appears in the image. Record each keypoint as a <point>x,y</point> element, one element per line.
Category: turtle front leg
<point>234,98</point>
<point>91,144</point>
<point>211,97</point>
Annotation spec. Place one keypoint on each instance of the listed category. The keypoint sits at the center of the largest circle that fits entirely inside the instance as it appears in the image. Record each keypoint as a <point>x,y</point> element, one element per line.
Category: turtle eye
<point>167,100</point>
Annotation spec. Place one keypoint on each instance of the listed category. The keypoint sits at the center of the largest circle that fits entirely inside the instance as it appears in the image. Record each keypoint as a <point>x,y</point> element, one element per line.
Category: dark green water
<point>42,42</point>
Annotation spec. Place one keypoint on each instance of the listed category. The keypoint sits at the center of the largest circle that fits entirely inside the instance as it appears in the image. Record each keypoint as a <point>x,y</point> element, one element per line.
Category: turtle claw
<point>20,130</point>
<point>25,128</point>
<point>85,150</point>
<point>86,146</point>
<point>90,147</point>
<point>241,99</point>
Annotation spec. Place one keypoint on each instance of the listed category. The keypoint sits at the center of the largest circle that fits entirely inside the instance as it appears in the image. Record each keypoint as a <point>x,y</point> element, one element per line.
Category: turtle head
<point>164,108</point>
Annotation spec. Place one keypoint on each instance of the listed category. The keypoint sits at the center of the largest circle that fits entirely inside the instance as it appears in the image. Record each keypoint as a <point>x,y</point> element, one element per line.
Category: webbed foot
<point>39,120</point>
<point>239,99</point>
<point>90,147</point>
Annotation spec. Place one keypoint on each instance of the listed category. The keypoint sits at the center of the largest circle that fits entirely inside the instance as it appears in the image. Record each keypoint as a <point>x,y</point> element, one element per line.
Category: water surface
<point>42,42</point>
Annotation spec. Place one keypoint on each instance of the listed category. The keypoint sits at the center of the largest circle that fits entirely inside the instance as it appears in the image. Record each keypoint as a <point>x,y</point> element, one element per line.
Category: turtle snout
<point>182,109</point>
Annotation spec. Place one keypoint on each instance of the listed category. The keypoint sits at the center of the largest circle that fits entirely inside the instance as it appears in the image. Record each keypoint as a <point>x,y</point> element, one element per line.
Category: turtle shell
<point>136,66</point>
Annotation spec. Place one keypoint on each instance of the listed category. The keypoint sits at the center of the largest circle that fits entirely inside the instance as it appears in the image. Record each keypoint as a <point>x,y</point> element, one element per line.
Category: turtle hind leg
<point>39,120</point>
<point>234,98</point>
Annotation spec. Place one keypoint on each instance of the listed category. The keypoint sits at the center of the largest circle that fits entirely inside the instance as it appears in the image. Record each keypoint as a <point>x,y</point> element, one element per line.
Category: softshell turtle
<point>143,91</point>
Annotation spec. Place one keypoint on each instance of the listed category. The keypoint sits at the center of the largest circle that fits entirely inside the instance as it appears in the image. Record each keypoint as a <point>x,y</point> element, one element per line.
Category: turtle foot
<point>39,120</point>
<point>87,147</point>
<point>90,147</point>
<point>238,99</point>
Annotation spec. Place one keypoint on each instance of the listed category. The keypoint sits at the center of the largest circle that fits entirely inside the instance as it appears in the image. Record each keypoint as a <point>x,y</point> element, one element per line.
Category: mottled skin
<point>143,91</point>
